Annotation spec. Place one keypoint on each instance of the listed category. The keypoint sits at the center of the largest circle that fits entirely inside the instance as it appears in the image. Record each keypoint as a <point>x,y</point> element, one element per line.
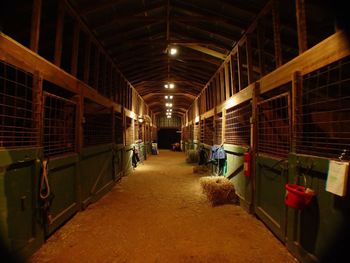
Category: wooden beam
<point>87,61</point>
<point>328,51</point>
<point>260,42</point>
<point>249,52</point>
<point>233,67</point>
<point>240,69</point>
<point>301,25</point>
<point>206,51</point>
<point>75,50</point>
<point>227,79</point>
<point>38,105</point>
<point>276,33</point>
<point>97,6</point>
<point>35,26</point>
<point>222,85</point>
<point>59,34</point>
<point>97,69</point>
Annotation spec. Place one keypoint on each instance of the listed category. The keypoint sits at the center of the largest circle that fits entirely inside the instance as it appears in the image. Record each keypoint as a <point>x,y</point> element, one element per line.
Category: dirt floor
<point>159,214</point>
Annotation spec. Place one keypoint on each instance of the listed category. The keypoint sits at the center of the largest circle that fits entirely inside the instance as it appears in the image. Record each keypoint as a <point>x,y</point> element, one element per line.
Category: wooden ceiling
<point>138,33</point>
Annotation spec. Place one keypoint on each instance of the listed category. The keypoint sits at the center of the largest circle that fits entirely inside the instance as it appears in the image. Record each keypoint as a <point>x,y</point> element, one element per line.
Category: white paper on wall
<point>337,177</point>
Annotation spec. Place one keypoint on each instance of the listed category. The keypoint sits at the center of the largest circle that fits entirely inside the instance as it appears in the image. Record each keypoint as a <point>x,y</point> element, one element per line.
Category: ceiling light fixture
<point>171,97</point>
<point>173,51</point>
<point>166,97</point>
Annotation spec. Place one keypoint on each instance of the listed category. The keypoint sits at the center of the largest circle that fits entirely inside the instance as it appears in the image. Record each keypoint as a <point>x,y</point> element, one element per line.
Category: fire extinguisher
<point>246,163</point>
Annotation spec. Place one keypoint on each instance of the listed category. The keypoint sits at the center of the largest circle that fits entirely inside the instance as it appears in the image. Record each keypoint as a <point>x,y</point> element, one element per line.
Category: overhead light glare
<point>171,97</point>
<point>166,97</point>
<point>173,51</point>
<point>171,85</point>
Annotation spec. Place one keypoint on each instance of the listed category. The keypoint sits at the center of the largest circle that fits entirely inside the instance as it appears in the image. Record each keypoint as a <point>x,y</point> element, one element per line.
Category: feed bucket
<point>297,197</point>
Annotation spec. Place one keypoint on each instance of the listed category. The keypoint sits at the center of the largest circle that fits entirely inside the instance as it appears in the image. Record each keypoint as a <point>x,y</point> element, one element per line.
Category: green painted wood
<point>271,177</point>
<point>62,173</point>
<point>96,168</point>
<point>8,157</point>
<point>19,228</point>
<point>314,232</point>
<point>243,184</point>
<point>95,150</point>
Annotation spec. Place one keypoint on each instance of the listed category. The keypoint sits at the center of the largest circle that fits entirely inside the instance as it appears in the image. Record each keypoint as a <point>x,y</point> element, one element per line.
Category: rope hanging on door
<point>44,183</point>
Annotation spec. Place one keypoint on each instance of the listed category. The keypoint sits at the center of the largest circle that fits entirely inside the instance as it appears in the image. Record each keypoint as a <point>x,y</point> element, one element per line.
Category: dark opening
<point>166,137</point>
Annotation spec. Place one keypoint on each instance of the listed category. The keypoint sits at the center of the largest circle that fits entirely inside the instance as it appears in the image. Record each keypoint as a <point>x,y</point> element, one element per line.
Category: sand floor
<point>158,213</point>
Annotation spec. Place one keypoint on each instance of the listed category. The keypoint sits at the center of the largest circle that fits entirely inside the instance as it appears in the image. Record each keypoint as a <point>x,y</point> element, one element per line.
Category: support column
<point>35,27</point>
<point>301,25</point>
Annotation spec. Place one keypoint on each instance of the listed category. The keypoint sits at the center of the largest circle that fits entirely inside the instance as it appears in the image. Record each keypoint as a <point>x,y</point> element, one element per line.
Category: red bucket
<point>297,197</point>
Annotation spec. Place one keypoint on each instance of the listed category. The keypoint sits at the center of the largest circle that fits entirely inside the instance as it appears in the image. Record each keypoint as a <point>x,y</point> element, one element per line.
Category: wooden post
<point>35,27</point>
<point>233,74</point>
<point>113,126</point>
<point>240,69</point>
<point>87,61</point>
<point>223,124</point>
<point>248,46</point>
<point>218,89</point>
<point>301,25</point>
<point>260,42</point>
<point>59,34</point>
<point>296,104</point>
<point>38,107</point>
<point>222,85</point>
<point>79,99</point>
<point>97,69</point>
<point>276,33</point>
<point>75,50</point>
<point>254,138</point>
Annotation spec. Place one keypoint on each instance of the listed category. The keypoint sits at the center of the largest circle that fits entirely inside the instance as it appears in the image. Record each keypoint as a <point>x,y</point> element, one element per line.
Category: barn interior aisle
<point>158,213</point>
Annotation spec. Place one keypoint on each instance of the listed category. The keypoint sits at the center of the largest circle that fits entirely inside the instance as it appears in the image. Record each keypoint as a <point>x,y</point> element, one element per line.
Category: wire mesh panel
<point>274,126</point>
<point>209,131</point>
<point>141,132</point>
<point>201,136</point>
<point>136,130</point>
<point>185,133</point>
<point>17,121</point>
<point>59,125</point>
<point>323,111</point>
<point>237,126</point>
<point>119,135</point>
<point>191,131</point>
<point>98,127</point>
<point>129,132</point>
<point>218,130</point>
<point>196,132</point>
<point>154,134</point>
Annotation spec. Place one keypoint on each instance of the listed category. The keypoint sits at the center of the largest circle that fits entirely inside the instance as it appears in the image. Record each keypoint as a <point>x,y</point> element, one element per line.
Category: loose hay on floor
<point>192,156</point>
<point>200,169</point>
<point>218,189</point>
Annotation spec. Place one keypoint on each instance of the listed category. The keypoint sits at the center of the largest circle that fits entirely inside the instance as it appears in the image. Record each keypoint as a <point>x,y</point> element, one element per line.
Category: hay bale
<point>192,156</point>
<point>200,169</point>
<point>218,189</point>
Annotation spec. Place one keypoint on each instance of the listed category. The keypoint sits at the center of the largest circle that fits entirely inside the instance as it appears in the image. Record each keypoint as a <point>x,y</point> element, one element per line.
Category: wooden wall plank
<point>249,51</point>
<point>222,85</point>
<point>276,32</point>
<point>301,25</point>
<point>75,50</point>
<point>240,69</point>
<point>35,26</point>
<point>59,35</point>
<point>330,50</point>
<point>87,61</point>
